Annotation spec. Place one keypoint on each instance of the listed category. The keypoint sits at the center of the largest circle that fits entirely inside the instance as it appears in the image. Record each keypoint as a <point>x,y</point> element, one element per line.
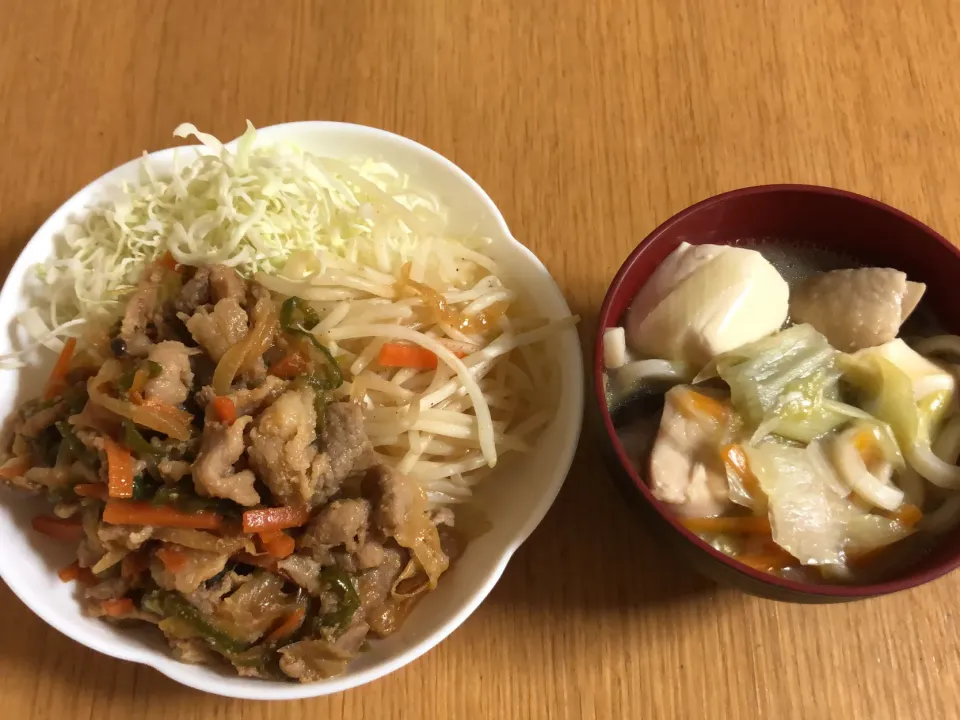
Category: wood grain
<point>588,123</point>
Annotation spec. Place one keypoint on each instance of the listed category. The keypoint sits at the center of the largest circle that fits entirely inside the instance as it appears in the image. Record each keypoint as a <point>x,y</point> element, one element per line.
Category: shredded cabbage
<point>251,209</point>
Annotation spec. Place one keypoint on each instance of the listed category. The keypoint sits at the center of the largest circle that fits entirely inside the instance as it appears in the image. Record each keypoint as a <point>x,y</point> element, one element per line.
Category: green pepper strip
<point>154,368</point>
<point>289,324</point>
<point>137,442</point>
<point>170,605</point>
<point>347,602</point>
<point>76,447</point>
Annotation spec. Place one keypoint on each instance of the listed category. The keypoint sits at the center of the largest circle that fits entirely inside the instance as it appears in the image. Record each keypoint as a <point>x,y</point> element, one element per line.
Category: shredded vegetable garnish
<point>249,208</point>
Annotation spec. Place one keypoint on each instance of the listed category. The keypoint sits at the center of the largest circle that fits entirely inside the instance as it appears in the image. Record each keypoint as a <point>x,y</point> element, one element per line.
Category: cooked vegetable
<point>277,543</point>
<point>347,598</point>
<point>97,491</point>
<point>290,365</point>
<point>118,608</point>
<point>225,409</point>
<point>57,378</point>
<point>119,469</point>
<point>73,571</point>
<point>173,606</point>
<point>125,512</point>
<point>853,450</point>
<point>173,560</point>
<point>748,524</point>
<point>66,529</point>
<point>289,626</point>
<point>15,467</point>
<point>399,355</point>
<point>277,518</point>
<point>780,383</point>
<point>162,418</point>
<point>289,322</point>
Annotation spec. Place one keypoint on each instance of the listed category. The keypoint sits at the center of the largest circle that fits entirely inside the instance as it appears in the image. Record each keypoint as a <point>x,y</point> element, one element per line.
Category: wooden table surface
<point>589,123</point>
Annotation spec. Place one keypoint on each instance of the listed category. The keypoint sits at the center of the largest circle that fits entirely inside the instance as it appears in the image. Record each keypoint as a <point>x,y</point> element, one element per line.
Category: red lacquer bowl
<point>842,222</point>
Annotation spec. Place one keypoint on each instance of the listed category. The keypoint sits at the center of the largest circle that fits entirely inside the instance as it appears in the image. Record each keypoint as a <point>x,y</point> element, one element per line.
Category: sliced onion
<point>166,419</point>
<point>853,471</point>
<point>940,473</point>
<point>243,354</point>
<point>824,468</point>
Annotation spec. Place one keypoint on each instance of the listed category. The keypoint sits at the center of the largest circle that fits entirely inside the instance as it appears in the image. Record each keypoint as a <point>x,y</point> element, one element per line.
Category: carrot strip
<point>173,560</point>
<point>868,447</point>
<point>407,356</point>
<point>750,524</point>
<point>907,515</point>
<point>118,608</point>
<point>289,366</point>
<point>59,374</point>
<point>124,512</point>
<point>226,409</point>
<point>82,575</point>
<point>696,404</point>
<point>119,469</point>
<point>277,543</point>
<point>167,261</point>
<point>15,467</point>
<point>735,459</point>
<point>289,626</point>
<point>98,491</point>
<point>278,518</point>
<point>134,564</point>
<point>67,529</point>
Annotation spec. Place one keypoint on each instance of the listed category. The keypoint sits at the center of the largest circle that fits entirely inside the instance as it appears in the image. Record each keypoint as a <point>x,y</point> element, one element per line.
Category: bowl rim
<point>273,690</point>
<point>911,579</point>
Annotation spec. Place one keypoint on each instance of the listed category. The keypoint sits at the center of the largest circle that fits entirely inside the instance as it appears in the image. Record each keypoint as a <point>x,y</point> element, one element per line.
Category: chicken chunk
<point>172,385</point>
<point>219,330</point>
<point>281,448</point>
<point>213,472</point>
<point>685,466</point>
<point>346,450</point>
<point>856,309</point>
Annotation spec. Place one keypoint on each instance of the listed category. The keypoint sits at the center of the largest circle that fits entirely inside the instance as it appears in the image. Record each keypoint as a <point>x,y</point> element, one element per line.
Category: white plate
<point>515,498</point>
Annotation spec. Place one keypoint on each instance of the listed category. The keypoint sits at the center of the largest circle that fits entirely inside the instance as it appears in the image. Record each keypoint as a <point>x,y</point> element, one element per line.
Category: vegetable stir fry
<point>218,483</point>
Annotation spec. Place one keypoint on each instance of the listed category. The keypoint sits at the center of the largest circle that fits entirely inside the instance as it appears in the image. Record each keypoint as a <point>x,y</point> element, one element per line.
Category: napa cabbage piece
<point>779,384</point>
<point>889,390</point>
<point>810,519</point>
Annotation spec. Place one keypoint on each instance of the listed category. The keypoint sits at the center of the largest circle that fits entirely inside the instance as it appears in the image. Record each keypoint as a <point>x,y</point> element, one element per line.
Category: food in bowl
<point>799,413</point>
<point>259,450</point>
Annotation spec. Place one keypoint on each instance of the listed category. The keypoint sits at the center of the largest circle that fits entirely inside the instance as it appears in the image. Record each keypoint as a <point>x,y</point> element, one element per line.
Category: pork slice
<point>200,566</point>
<point>219,330</point>
<point>342,522</point>
<point>312,660</point>
<point>195,292</point>
<point>303,570</point>
<point>172,385</point>
<point>213,471</point>
<point>140,309</point>
<point>173,471</point>
<point>207,597</point>
<point>192,651</point>
<point>124,537</point>
<point>225,283</point>
<point>397,496</point>
<point>248,401</point>
<point>373,586</point>
<point>281,446</point>
<point>346,450</point>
